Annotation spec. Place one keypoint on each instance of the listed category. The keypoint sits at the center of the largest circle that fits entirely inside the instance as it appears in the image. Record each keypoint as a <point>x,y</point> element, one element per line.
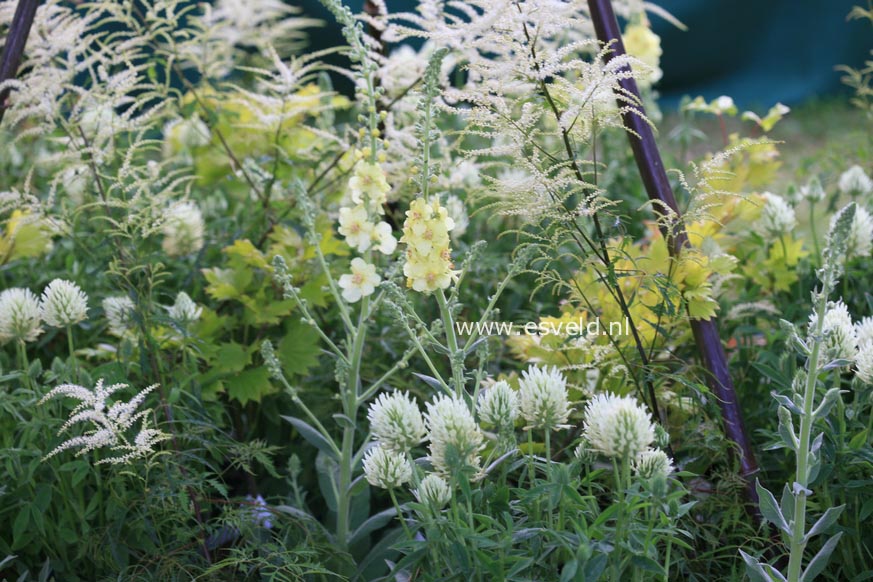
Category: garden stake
<point>654,177</point>
<point>19,30</point>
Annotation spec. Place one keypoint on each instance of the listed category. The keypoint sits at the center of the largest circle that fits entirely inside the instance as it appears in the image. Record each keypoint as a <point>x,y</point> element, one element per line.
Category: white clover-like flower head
<point>63,304</point>
<point>386,468</point>
<point>855,181</point>
<point>864,330</point>
<point>777,216</point>
<point>617,426</point>
<point>361,282</point>
<point>543,397</point>
<point>183,230</point>
<point>396,422</point>
<point>860,241</point>
<point>119,313</point>
<point>184,310</point>
<point>498,405</point>
<point>433,491</point>
<point>455,438</point>
<point>20,316</point>
<point>840,341</point>
<point>864,362</point>
<point>653,463</point>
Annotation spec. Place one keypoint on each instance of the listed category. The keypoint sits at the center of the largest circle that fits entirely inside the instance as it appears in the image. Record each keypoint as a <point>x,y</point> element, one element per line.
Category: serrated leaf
<point>824,523</point>
<point>312,436</point>
<point>231,357</point>
<point>770,508</point>
<point>251,385</point>
<point>298,350</point>
<point>817,565</point>
<point>225,284</point>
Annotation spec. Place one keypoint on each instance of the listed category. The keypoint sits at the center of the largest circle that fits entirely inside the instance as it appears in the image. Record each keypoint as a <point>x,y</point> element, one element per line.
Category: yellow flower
<point>642,43</point>
<point>428,254</point>
<point>369,186</point>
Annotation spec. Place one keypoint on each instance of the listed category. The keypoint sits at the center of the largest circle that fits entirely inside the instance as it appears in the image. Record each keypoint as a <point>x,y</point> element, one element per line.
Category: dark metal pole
<point>654,176</point>
<point>14,48</point>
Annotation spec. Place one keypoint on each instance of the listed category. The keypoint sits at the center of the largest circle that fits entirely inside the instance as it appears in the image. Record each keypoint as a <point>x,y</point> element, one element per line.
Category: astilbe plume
<point>109,422</point>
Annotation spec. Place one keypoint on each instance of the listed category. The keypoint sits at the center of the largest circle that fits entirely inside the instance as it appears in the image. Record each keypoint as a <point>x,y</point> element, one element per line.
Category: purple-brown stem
<point>654,176</point>
<point>19,30</point>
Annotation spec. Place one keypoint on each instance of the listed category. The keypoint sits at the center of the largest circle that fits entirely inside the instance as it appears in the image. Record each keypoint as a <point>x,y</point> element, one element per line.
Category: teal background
<point>757,51</point>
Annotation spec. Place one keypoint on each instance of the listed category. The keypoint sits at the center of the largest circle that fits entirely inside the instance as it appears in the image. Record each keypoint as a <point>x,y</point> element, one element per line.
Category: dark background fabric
<point>757,51</point>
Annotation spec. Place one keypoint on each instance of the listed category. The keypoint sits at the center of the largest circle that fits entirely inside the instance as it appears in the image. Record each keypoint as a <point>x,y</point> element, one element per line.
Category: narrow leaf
<point>770,508</point>
<point>817,565</point>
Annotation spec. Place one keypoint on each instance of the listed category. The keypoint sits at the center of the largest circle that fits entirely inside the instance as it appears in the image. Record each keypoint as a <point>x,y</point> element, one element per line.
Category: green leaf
<point>858,441</point>
<point>756,571</point>
<point>251,385</point>
<point>231,357</point>
<point>312,436</point>
<point>227,284</point>
<point>373,523</point>
<point>824,523</point>
<point>298,350</point>
<point>770,508</point>
<point>19,526</point>
<point>594,568</point>
<point>817,565</point>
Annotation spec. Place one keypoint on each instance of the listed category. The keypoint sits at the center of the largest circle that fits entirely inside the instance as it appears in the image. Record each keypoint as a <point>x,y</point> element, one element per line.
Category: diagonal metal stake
<point>19,30</point>
<point>654,176</point>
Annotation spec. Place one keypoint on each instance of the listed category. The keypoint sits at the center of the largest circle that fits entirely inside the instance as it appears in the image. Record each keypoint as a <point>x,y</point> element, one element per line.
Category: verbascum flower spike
<point>455,438</point>
<point>386,468</point>
<point>183,230</point>
<point>498,406</point>
<point>369,186</point>
<point>63,304</point>
<point>361,282</point>
<point>355,226</point>
<point>433,491</point>
<point>642,43</point>
<point>543,397</point>
<point>395,421</point>
<point>617,426</point>
<point>20,317</point>
<point>428,253</point>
